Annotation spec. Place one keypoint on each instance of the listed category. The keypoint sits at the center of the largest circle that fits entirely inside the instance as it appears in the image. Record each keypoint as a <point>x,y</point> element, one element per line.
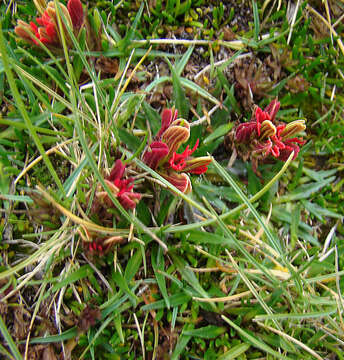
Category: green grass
<point>246,266</point>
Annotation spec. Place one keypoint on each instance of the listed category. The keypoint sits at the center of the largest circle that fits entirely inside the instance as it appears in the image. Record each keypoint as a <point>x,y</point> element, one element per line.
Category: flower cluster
<point>161,155</point>
<point>262,137</point>
<point>46,29</point>
<point>121,188</point>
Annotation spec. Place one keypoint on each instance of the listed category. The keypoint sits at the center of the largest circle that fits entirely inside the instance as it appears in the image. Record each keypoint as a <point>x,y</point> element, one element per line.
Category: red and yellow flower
<point>161,155</point>
<point>262,137</point>
<point>120,187</point>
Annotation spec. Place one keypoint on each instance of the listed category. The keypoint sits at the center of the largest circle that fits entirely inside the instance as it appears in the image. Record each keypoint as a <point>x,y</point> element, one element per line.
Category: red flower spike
<point>285,153</point>
<point>275,151</point>
<point>76,13</point>
<point>128,199</point>
<point>244,131</point>
<point>272,109</point>
<point>167,117</point>
<point>117,171</point>
<point>176,134</point>
<point>158,151</point>
<point>260,117</point>
<point>180,180</point>
<point>197,165</point>
<point>261,137</point>
<point>199,170</point>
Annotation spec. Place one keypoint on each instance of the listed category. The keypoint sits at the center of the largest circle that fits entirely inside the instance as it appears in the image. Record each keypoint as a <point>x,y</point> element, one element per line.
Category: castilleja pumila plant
<point>263,136</point>
<point>161,154</point>
<point>120,187</point>
<point>46,30</point>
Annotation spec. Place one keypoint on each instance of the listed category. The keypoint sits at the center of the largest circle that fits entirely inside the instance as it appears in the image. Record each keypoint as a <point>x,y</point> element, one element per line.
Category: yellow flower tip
<point>24,31</point>
<point>293,128</point>
<point>267,130</point>
<point>176,134</point>
<point>41,5</point>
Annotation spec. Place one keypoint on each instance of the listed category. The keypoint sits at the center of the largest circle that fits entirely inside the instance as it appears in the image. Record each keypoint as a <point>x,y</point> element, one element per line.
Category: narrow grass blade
<point>66,335</point>
<point>179,97</point>
<point>189,276</point>
<point>234,352</point>
<point>255,341</point>
<point>183,61</point>
<point>8,338</point>
<point>206,332</point>
<point>158,263</point>
<point>255,19</point>
<point>274,243</point>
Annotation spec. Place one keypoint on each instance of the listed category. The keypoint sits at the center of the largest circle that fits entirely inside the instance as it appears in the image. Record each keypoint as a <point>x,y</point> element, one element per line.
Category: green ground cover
<point>131,231</point>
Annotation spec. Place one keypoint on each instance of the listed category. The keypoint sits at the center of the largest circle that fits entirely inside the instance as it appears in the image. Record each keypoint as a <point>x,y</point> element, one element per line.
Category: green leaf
<point>179,97</point>
<point>21,198</point>
<point>8,338</point>
<point>182,342</point>
<point>299,317</point>
<point>234,352</point>
<point>179,67</point>
<point>66,335</point>
<point>125,43</point>
<point>189,276</point>
<point>198,90</point>
<point>305,191</point>
<point>175,300</point>
<point>123,285</point>
<point>206,332</point>
<point>153,117</point>
<point>133,266</point>
<point>158,264</point>
<point>318,211</point>
<point>81,273</point>
<point>255,19</point>
<point>255,341</point>
<point>218,132</point>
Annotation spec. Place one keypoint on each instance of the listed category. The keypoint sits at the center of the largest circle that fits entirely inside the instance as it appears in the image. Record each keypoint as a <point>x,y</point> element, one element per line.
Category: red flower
<point>120,188</point>
<point>161,155</point>
<point>157,151</point>
<point>125,195</point>
<point>47,31</point>
<point>178,161</point>
<point>260,137</point>
<point>76,13</point>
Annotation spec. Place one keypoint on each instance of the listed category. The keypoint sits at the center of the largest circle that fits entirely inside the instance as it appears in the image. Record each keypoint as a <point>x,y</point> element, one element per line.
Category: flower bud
<point>292,129</point>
